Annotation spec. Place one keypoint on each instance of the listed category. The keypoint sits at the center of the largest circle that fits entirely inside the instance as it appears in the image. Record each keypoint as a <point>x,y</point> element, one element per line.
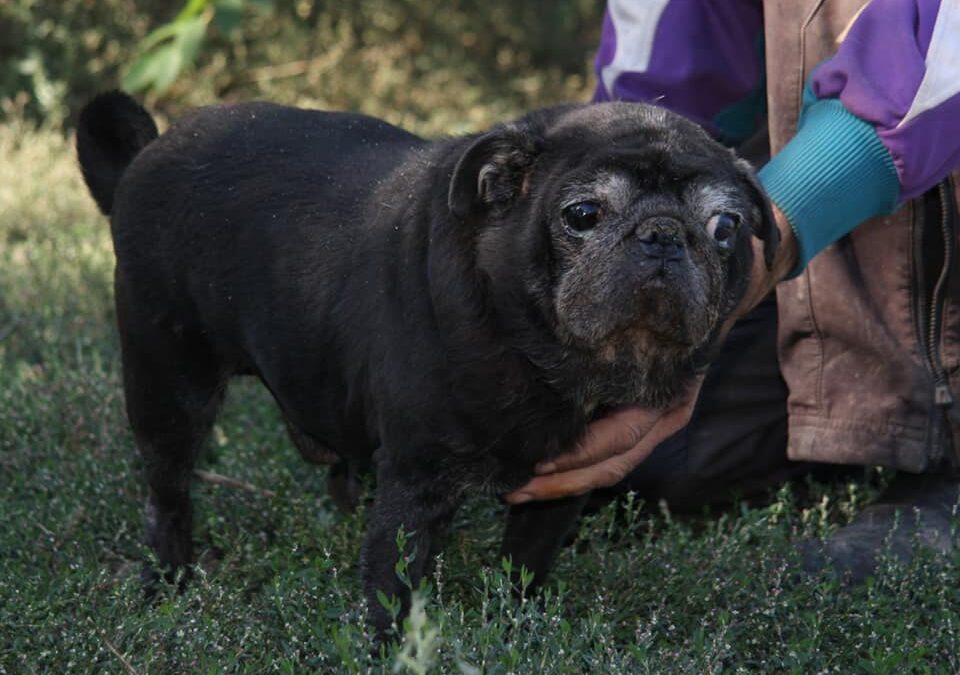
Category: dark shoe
<point>914,509</point>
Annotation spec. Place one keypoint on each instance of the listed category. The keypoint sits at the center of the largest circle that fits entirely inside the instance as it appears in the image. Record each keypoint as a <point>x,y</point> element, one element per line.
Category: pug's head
<point>621,230</point>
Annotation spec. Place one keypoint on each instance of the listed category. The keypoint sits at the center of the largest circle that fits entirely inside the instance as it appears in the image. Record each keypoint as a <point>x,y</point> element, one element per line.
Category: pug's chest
<point>509,462</point>
<point>487,476</point>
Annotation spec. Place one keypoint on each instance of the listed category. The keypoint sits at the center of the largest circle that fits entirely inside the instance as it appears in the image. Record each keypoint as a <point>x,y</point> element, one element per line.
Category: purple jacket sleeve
<point>700,58</point>
<point>899,70</point>
<point>881,118</point>
<point>880,122</point>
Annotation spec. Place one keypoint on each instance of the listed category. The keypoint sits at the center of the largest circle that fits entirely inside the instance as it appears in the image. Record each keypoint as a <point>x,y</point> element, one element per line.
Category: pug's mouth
<point>649,323</point>
<point>640,342</point>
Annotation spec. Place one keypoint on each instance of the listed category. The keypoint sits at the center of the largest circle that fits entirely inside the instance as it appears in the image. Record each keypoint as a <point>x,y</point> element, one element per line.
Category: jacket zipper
<point>930,315</point>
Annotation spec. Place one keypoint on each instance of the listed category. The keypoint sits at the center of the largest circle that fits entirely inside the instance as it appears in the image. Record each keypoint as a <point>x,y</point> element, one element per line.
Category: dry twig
<point>217,479</point>
<point>126,664</point>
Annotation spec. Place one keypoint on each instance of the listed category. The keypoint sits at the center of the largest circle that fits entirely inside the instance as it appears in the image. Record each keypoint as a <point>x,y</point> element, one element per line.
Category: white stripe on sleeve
<point>635,23</point>
<point>942,78</point>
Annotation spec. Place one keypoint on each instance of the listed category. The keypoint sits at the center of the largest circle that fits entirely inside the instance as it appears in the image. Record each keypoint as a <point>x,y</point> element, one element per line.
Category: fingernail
<point>519,498</point>
<point>546,467</point>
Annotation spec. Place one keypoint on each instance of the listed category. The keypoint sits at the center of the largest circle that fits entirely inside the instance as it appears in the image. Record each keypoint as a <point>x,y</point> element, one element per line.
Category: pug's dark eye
<point>722,227</point>
<point>582,216</point>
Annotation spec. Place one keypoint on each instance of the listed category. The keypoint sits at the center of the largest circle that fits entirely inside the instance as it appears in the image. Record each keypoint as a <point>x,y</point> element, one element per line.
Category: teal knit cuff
<point>833,175</point>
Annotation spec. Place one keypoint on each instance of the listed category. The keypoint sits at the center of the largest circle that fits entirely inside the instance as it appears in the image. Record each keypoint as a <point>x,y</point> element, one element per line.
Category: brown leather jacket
<point>870,332</point>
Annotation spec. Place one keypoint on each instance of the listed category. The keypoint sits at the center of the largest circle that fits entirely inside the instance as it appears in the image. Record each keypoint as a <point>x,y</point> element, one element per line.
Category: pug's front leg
<point>423,508</point>
<point>536,531</point>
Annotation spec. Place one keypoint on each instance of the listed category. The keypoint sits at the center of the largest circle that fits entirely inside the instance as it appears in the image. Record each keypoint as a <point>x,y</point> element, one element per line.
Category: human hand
<point>616,444</point>
<point>612,447</point>
<point>762,279</point>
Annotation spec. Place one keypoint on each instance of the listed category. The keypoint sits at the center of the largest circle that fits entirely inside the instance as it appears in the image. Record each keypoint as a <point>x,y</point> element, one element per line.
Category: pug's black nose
<point>657,241</point>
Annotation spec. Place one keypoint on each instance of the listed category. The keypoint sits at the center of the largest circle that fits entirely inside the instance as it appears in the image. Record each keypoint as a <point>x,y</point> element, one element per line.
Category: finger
<point>609,436</point>
<point>565,484</point>
<point>762,280</point>
<point>605,473</point>
<point>618,433</point>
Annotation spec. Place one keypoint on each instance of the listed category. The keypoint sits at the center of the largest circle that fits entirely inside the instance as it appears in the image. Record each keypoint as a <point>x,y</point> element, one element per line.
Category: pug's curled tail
<point>112,130</point>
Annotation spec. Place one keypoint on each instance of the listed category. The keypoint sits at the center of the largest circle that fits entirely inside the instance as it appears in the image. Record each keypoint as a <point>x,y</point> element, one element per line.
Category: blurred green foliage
<point>167,50</point>
<point>434,65</point>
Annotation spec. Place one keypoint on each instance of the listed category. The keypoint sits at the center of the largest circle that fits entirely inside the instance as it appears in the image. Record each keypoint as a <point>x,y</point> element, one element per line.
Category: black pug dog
<point>448,312</point>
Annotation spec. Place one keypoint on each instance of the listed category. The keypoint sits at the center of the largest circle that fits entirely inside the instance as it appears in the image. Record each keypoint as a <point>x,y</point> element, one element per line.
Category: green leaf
<point>390,603</point>
<point>168,65</point>
<point>190,37</point>
<point>158,35</point>
<point>151,67</point>
<point>192,9</point>
<point>155,70</point>
<point>166,51</point>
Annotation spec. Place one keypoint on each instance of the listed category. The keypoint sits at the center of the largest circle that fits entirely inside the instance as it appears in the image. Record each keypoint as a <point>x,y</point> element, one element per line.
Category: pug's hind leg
<point>343,480</point>
<point>173,391</point>
<point>534,534</point>
<point>423,509</point>
<point>344,486</point>
<point>310,449</point>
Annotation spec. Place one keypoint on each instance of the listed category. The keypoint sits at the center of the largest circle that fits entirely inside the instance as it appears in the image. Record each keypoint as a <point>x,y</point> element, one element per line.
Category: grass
<point>277,587</point>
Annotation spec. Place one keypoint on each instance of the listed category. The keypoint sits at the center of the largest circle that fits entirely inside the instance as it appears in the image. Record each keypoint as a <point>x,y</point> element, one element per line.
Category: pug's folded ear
<point>763,224</point>
<point>492,172</point>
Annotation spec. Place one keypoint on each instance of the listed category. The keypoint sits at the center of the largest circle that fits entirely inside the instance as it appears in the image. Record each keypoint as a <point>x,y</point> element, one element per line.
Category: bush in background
<point>432,65</point>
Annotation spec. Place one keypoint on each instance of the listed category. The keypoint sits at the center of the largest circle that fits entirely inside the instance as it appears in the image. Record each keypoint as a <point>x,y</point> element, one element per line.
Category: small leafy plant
<point>167,50</point>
